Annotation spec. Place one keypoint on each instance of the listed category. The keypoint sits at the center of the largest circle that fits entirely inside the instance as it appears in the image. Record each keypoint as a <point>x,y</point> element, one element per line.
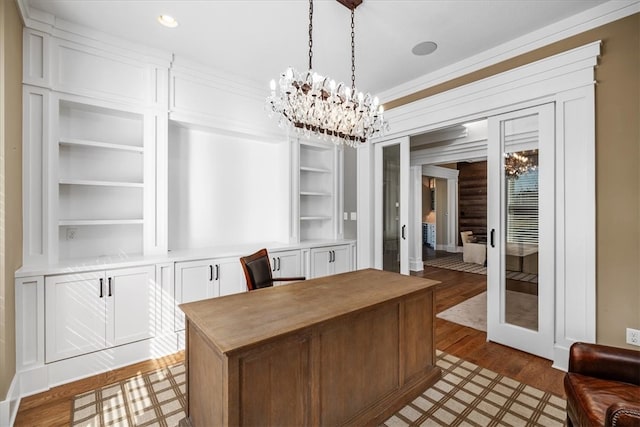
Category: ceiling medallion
<point>313,104</point>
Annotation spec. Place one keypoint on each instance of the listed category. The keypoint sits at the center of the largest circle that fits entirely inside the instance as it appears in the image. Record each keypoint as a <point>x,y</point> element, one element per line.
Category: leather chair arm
<point>604,362</point>
<point>623,415</point>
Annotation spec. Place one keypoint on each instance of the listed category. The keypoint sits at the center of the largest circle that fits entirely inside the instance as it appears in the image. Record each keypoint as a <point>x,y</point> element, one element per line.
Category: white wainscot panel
<point>222,103</point>
<point>579,188</point>
<point>35,68</point>
<point>88,71</point>
<point>29,322</point>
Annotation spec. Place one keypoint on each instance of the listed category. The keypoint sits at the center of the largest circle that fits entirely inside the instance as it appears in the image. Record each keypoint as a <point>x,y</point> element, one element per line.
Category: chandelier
<point>313,104</point>
<point>516,164</point>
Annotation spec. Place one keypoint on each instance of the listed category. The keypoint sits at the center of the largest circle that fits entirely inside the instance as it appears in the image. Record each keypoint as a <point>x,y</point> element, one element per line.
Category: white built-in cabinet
<point>202,279</point>
<point>330,260</point>
<point>286,264</point>
<point>92,311</point>
<point>101,180</point>
<point>317,190</point>
<point>145,179</point>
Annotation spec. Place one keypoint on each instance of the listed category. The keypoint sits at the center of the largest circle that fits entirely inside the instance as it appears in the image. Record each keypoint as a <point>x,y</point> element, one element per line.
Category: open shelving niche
<point>318,190</point>
<point>100,181</point>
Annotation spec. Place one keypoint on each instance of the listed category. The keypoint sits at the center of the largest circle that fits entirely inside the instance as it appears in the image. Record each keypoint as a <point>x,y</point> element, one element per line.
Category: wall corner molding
<point>9,406</point>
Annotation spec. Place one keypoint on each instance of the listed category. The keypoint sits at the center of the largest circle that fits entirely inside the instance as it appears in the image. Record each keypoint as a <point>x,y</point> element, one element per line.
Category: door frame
<point>568,79</point>
<point>403,246</point>
<point>540,341</point>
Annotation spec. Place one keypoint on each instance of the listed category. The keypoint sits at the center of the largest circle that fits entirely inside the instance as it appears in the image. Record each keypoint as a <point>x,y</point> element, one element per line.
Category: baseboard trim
<point>416,264</point>
<point>43,377</point>
<point>9,406</point>
<point>560,358</point>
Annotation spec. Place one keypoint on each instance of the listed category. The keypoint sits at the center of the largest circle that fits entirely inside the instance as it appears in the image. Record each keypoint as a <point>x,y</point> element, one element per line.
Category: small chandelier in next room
<point>517,164</point>
<point>315,104</point>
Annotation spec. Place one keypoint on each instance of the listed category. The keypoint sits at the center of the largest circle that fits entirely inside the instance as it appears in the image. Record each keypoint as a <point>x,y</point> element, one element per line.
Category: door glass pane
<point>391,208</point>
<point>520,222</point>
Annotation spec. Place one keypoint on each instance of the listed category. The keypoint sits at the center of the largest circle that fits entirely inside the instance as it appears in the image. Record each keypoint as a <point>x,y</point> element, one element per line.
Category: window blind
<point>522,208</point>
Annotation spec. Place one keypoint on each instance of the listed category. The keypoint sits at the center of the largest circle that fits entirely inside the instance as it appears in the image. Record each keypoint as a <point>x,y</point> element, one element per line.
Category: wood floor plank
<point>53,408</point>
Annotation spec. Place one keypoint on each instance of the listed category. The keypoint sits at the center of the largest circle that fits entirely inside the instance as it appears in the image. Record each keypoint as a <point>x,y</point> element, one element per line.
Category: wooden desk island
<point>346,349</point>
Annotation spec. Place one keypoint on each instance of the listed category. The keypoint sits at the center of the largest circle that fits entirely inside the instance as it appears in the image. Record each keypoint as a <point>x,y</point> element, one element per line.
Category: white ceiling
<point>258,39</point>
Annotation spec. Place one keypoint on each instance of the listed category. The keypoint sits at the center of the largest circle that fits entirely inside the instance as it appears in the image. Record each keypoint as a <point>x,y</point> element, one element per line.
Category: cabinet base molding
<point>44,377</point>
<point>9,406</point>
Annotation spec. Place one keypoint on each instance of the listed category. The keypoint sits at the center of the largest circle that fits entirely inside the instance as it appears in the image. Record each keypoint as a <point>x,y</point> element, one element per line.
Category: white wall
<point>225,190</point>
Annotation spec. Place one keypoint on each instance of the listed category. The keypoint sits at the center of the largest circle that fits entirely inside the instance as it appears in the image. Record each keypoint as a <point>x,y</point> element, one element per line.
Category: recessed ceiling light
<point>424,48</point>
<point>168,21</point>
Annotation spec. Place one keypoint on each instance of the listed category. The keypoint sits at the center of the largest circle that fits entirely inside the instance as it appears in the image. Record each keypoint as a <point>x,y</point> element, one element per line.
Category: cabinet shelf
<point>315,193</point>
<point>315,170</point>
<point>71,142</point>
<point>94,183</point>
<point>78,222</point>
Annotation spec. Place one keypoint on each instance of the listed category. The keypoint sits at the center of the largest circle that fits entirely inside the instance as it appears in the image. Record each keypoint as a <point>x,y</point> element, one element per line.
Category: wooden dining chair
<point>257,271</point>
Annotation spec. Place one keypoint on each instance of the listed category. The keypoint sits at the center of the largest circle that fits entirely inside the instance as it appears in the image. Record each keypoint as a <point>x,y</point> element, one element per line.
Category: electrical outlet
<point>71,233</point>
<point>633,336</point>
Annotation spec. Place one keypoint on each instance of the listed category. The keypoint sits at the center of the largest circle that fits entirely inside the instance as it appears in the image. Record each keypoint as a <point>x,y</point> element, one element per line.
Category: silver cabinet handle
<point>109,279</point>
<point>217,271</point>
<point>210,273</point>
<point>275,265</point>
<point>101,287</point>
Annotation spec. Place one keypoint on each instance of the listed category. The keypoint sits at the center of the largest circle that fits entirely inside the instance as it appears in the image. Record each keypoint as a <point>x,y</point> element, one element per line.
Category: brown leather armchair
<point>602,386</point>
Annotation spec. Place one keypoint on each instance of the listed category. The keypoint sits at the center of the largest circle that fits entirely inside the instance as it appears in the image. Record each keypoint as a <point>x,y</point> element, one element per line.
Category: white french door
<point>520,249</point>
<point>392,205</point>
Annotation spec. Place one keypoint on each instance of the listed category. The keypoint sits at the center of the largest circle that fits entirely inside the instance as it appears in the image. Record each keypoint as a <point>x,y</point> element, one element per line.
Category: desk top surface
<point>236,321</point>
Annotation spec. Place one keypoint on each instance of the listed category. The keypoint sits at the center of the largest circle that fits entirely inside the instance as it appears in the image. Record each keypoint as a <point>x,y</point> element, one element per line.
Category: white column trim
<point>415,219</point>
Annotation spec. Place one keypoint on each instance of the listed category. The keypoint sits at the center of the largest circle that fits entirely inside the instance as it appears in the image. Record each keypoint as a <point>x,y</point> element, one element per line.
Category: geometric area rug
<point>468,395</point>
<point>151,399</point>
<point>521,310</point>
<point>465,395</point>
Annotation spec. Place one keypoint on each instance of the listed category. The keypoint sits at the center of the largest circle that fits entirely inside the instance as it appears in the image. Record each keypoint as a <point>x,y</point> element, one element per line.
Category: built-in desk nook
<point>345,349</point>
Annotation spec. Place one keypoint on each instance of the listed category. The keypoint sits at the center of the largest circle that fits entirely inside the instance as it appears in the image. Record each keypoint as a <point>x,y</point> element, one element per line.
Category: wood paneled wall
<point>472,198</point>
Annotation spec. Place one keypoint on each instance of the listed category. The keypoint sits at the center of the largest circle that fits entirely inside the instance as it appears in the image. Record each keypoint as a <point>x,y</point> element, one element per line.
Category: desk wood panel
<point>359,362</point>
<point>328,351</point>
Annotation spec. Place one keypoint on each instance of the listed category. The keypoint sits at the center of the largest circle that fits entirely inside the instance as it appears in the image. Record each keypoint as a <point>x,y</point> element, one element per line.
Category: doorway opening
<point>454,212</point>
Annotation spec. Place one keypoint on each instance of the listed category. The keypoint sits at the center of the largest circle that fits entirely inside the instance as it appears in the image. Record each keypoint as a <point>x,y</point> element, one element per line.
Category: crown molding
<point>576,24</point>
<point>50,24</point>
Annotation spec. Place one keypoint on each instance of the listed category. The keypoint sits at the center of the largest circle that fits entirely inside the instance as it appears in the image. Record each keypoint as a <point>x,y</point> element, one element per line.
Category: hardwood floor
<point>471,344</point>
<point>53,408</point>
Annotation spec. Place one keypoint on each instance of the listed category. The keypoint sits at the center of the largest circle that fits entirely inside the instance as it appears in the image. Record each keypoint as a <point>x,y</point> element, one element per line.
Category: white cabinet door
<point>330,260</point>
<point>320,265</point>
<point>131,305</point>
<point>194,282</point>
<point>286,264</point>
<point>341,259</point>
<point>75,315</point>
<point>230,277</point>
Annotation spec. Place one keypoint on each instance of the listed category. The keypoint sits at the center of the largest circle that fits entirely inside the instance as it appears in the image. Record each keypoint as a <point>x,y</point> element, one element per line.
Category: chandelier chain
<point>310,34</point>
<point>353,50</point>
